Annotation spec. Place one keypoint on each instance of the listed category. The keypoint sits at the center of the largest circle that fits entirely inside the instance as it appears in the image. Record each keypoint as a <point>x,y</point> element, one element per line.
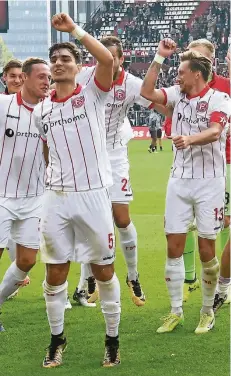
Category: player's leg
<point>5,228</point>
<point>121,195</point>
<point>1,252</point>
<point>209,212</point>
<point>100,252</point>
<point>11,248</point>
<point>224,235</point>
<point>86,293</point>
<point>57,246</point>
<point>178,215</point>
<point>25,234</point>
<point>191,282</point>
<point>159,137</point>
<point>223,293</point>
<point>152,146</point>
<point>128,243</point>
<point>224,282</point>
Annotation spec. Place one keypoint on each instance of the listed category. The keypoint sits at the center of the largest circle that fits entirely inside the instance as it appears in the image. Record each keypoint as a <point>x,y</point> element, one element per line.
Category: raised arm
<point>104,69</point>
<point>165,49</point>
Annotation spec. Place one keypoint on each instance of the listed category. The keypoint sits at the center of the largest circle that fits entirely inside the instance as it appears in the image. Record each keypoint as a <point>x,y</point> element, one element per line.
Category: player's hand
<point>181,142</point>
<point>228,57</point>
<point>63,22</point>
<point>166,47</point>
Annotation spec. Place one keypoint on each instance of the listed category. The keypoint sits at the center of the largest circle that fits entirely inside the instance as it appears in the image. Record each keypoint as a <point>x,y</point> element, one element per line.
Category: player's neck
<point>28,97</point>
<point>64,89</point>
<point>118,74</point>
<point>197,89</point>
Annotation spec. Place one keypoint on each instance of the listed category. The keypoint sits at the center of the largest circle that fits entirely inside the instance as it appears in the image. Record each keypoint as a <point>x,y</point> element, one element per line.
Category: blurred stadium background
<point>25,31</point>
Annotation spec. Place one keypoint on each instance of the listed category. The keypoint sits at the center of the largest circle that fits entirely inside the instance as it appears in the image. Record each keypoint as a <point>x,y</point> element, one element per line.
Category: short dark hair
<point>14,63</point>
<point>111,41</point>
<point>70,47</point>
<point>198,62</point>
<point>28,64</point>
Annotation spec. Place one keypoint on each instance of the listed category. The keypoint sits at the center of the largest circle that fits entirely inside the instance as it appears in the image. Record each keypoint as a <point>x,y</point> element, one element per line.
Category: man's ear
<point>4,77</point>
<point>24,76</point>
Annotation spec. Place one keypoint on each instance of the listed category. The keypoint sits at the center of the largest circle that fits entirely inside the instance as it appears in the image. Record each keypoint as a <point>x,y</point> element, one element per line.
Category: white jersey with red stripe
<point>74,129</point>
<point>125,92</point>
<point>193,115</point>
<point>22,165</point>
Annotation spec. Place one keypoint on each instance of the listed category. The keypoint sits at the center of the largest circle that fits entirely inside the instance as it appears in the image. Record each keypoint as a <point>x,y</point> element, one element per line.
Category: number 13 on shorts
<point>219,218</point>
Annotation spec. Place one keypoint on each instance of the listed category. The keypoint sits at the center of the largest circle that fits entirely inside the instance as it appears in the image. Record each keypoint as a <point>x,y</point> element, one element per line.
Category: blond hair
<point>198,62</point>
<point>204,43</point>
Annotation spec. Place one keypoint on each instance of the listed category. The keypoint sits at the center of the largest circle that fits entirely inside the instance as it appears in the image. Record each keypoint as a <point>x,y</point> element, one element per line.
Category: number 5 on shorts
<point>111,241</point>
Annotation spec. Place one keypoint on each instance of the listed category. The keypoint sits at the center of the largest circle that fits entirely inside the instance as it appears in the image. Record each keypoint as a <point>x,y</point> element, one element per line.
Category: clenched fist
<point>166,47</point>
<point>181,142</point>
<point>63,22</point>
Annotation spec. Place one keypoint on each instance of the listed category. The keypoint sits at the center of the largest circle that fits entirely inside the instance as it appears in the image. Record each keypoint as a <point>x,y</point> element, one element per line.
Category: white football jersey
<point>125,92</point>
<point>74,129</point>
<point>22,165</point>
<point>191,116</point>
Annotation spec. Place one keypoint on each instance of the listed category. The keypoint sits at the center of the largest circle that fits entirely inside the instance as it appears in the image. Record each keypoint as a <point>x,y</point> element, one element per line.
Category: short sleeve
<point>37,118</point>
<point>221,109</point>
<point>96,89</point>
<point>138,99</point>
<point>172,95</point>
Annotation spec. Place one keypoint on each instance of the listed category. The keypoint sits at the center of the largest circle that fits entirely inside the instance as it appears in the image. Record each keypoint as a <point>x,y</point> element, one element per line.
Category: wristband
<point>78,32</point>
<point>159,59</point>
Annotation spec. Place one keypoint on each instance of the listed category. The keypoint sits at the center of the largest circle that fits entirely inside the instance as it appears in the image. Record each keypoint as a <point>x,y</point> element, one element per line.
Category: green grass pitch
<point>143,351</point>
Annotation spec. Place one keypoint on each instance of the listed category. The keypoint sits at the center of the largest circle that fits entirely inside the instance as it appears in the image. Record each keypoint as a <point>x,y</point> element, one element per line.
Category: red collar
<point>201,94</point>
<point>20,102</point>
<point>120,80</point>
<point>75,92</point>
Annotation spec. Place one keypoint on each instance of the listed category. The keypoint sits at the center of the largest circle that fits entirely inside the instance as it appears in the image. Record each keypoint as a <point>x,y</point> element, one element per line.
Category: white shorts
<point>121,190</point>
<point>19,221</point>
<point>200,199</point>
<point>77,226</point>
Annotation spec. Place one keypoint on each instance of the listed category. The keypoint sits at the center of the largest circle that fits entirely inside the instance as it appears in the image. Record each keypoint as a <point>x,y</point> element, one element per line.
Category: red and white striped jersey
<point>74,129</point>
<point>22,165</point>
<point>125,92</point>
<point>193,115</point>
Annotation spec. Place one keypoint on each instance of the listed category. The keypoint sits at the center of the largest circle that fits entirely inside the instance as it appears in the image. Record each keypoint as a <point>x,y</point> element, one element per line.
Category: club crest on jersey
<point>78,102</point>
<point>202,106</point>
<point>120,95</point>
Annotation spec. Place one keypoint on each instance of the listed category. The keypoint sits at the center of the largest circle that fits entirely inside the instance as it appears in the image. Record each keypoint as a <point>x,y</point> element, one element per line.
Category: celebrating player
<point>197,183</point>
<point>22,170</point>
<point>126,92</point>
<point>77,219</point>
<point>206,48</point>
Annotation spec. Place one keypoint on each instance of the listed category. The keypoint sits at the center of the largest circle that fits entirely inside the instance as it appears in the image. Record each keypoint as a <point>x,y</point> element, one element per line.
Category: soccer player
<point>125,92</point>
<point>12,76</point>
<point>197,183</point>
<point>77,221</point>
<point>154,122</point>
<point>207,49</point>
<point>22,171</point>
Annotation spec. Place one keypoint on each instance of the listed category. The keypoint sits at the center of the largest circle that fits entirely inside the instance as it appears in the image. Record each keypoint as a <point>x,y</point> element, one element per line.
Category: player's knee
<point>121,215</point>
<point>26,261</point>
<point>103,273</point>
<point>175,245</point>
